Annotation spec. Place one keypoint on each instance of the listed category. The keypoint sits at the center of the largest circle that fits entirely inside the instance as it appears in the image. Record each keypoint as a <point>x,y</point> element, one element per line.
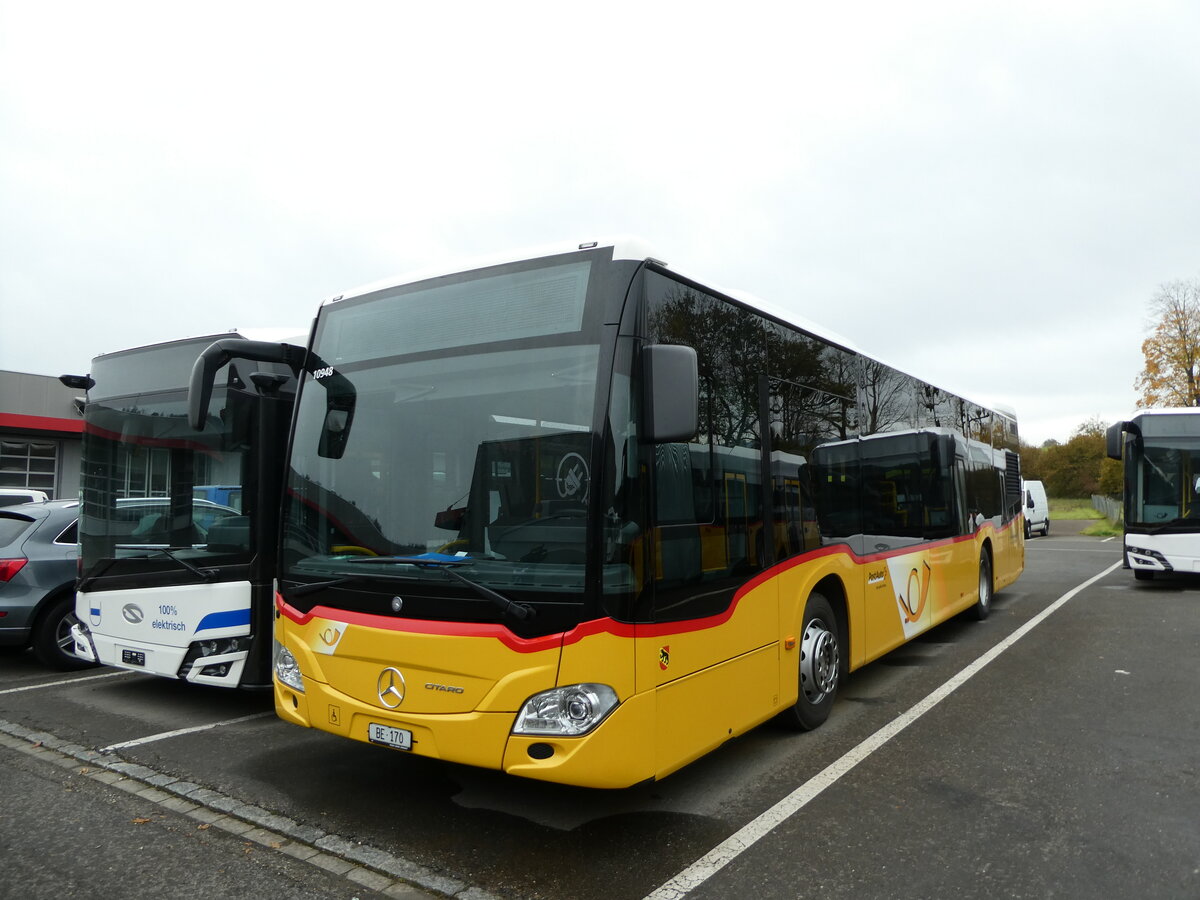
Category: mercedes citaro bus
<point>577,516</point>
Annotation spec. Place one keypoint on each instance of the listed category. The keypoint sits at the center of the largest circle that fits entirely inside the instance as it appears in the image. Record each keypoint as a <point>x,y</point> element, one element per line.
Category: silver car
<point>38,553</point>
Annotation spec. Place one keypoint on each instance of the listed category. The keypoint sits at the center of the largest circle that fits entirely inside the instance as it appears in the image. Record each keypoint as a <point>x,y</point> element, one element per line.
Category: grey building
<point>41,433</point>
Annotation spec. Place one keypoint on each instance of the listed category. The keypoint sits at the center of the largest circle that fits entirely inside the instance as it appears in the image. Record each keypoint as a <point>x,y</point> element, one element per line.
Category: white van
<point>1037,508</point>
<point>13,496</point>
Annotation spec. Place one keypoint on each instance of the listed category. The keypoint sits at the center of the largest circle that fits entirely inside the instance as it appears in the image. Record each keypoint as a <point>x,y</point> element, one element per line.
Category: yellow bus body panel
<point>684,687</point>
<point>614,755</point>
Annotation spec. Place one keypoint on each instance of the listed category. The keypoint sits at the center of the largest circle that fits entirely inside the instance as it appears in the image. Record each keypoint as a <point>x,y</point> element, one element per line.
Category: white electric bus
<point>178,529</point>
<point>1161,449</point>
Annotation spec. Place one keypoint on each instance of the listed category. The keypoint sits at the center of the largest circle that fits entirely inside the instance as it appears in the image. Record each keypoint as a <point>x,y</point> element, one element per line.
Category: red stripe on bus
<point>597,626</point>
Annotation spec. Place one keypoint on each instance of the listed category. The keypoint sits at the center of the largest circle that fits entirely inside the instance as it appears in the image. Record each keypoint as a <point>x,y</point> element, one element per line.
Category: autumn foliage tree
<point>1078,468</point>
<point>1172,352</point>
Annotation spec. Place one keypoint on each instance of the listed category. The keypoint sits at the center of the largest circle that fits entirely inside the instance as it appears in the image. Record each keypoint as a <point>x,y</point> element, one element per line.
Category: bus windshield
<point>469,448</point>
<point>1168,483</point>
<point>160,499</point>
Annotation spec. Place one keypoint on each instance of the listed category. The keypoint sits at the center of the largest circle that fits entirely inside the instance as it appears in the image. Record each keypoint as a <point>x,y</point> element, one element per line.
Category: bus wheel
<point>983,606</point>
<point>820,666</point>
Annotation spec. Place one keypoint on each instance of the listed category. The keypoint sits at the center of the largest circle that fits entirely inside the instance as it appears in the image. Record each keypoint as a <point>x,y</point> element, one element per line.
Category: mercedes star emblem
<point>390,687</point>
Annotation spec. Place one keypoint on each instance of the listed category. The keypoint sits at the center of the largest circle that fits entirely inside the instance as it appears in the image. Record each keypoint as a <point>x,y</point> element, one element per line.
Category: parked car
<point>14,496</point>
<point>145,520</point>
<point>39,564</point>
<point>38,552</point>
<point>1037,508</point>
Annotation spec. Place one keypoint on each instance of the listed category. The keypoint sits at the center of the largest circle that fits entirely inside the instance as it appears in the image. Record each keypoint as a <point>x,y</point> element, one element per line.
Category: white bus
<point>1162,489</point>
<point>178,529</point>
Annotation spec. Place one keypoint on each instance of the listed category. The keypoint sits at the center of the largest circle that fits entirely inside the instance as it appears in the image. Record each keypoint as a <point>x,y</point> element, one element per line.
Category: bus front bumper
<point>616,754</point>
<point>221,670</point>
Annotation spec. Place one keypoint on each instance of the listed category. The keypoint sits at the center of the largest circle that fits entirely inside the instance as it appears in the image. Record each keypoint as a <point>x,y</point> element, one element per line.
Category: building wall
<point>41,431</point>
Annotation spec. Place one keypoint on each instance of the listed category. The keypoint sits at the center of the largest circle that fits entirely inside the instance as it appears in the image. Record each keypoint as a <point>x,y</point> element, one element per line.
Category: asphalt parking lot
<point>1049,751</point>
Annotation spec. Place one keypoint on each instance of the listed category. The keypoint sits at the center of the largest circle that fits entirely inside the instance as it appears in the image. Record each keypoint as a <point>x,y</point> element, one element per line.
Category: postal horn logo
<point>912,601</point>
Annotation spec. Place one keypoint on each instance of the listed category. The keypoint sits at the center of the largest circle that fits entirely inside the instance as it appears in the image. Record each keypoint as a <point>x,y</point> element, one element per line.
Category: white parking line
<point>1059,549</point>
<point>49,684</point>
<point>732,847</point>
<point>162,736</point>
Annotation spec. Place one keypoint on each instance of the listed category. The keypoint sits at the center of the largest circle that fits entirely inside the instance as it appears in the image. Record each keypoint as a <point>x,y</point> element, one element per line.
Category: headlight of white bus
<point>287,670</point>
<point>572,710</point>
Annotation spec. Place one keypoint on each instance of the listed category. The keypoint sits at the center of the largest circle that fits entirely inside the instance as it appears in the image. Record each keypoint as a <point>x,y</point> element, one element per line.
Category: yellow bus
<point>577,517</point>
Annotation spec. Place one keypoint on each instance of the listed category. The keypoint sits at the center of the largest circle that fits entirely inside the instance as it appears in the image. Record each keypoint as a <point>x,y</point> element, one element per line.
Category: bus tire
<point>819,666</point>
<point>983,604</point>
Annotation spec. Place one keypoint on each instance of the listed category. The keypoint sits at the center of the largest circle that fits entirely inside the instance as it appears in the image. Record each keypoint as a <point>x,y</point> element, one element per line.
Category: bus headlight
<point>1148,557</point>
<point>572,710</point>
<point>287,670</point>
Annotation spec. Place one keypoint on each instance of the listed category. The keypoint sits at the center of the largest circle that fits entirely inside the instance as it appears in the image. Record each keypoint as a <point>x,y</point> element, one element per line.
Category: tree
<point>1078,468</point>
<point>1172,352</point>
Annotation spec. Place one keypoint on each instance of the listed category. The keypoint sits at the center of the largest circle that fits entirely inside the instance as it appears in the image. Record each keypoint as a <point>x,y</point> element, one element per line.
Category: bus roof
<point>290,335</point>
<point>625,247</point>
<point>628,247</point>
<point>1165,411</point>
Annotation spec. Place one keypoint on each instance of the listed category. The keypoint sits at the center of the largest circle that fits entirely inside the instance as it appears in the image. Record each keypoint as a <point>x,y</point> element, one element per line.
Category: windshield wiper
<point>95,573</point>
<point>313,586</point>
<point>519,610</point>
<point>1164,527</point>
<point>207,575</point>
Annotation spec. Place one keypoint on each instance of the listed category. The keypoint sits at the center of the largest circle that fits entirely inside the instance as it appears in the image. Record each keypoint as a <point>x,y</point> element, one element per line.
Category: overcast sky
<point>984,194</point>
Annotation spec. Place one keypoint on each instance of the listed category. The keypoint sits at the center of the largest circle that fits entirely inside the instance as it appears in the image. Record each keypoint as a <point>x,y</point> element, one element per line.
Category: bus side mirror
<point>340,400</point>
<point>672,393</point>
<point>217,354</point>
<point>336,431</point>
<point>1114,439</point>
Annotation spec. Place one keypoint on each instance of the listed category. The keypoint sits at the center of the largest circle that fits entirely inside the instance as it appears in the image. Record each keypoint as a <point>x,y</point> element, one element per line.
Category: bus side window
<point>708,513</point>
<point>679,535</point>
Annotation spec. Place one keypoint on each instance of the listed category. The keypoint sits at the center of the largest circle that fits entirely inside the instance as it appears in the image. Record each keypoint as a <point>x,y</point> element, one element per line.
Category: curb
<point>365,865</point>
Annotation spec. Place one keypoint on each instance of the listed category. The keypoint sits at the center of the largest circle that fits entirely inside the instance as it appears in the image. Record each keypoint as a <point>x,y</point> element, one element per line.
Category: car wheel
<point>820,666</point>
<point>52,641</point>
